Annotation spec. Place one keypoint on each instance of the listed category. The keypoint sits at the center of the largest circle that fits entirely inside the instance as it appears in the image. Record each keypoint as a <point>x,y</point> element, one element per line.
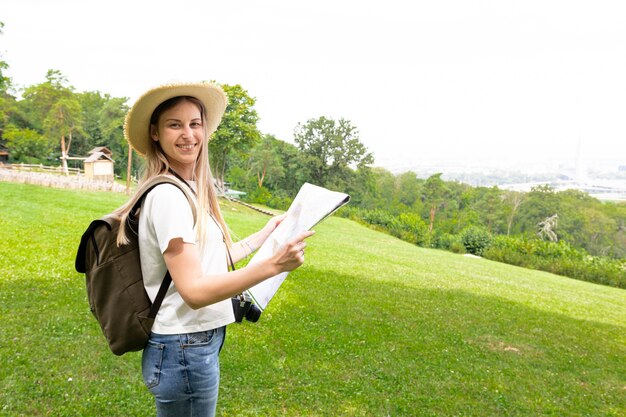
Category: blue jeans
<point>183,372</point>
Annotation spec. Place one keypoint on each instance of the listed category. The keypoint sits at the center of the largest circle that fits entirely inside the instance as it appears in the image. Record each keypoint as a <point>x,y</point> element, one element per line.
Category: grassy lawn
<point>370,326</point>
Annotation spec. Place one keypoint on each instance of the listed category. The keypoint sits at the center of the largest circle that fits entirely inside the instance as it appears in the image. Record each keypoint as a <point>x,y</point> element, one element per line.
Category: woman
<point>171,125</point>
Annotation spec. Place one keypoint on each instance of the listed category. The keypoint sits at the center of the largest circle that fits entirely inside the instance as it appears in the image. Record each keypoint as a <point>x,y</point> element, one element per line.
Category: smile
<point>187,146</point>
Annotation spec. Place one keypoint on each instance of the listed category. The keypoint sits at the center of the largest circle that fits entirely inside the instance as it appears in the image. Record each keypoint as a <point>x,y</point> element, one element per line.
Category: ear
<point>154,133</point>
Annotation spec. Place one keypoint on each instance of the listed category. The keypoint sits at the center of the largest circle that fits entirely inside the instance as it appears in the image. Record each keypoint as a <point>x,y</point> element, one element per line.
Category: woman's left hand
<point>271,225</point>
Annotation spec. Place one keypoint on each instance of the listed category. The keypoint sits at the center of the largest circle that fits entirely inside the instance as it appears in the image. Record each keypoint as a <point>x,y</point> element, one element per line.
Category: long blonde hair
<point>157,164</point>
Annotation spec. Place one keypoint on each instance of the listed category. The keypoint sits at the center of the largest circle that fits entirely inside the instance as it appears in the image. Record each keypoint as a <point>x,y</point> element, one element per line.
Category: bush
<point>279,201</point>
<point>449,242</point>
<point>260,195</point>
<point>475,239</point>
<point>559,258</point>
<point>379,218</point>
<point>413,225</point>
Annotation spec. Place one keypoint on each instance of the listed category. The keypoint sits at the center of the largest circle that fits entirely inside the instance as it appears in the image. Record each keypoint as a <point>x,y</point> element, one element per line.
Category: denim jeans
<point>183,372</point>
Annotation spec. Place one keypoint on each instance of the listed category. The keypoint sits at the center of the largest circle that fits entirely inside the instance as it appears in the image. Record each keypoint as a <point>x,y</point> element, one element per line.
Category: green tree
<point>363,189</point>
<point>333,148</point>
<point>434,195</point>
<point>8,104</point>
<point>407,189</point>
<point>26,145</point>
<point>385,192</point>
<point>64,119</point>
<point>540,203</point>
<point>39,99</point>
<point>111,122</point>
<point>5,82</point>
<point>265,161</point>
<point>294,165</point>
<point>512,201</point>
<point>237,133</point>
<point>53,108</point>
<point>490,208</point>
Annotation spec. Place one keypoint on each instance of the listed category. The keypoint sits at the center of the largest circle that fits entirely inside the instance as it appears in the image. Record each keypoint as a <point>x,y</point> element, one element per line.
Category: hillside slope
<point>370,326</point>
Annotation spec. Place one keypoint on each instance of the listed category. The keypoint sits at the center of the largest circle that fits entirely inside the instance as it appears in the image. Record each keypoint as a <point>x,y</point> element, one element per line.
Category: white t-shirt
<point>166,215</point>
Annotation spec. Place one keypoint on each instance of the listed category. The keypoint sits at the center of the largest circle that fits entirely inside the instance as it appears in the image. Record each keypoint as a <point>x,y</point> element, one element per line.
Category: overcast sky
<point>446,80</point>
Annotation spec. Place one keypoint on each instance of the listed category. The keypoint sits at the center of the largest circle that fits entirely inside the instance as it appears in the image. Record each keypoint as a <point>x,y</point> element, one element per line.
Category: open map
<point>312,205</point>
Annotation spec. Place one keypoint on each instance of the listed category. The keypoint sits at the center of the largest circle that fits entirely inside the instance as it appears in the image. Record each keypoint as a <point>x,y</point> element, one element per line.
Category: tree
<point>294,164</point>
<point>408,188</point>
<point>111,121</point>
<point>64,118</point>
<point>237,133</point>
<point>38,99</point>
<point>26,145</point>
<point>333,147</point>
<point>513,199</point>
<point>53,108</point>
<point>539,203</point>
<point>8,104</point>
<point>265,161</point>
<point>490,208</point>
<point>434,194</point>
<point>5,82</point>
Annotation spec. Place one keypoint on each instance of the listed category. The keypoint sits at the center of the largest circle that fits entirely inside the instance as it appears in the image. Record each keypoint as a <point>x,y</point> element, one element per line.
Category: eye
<point>196,124</point>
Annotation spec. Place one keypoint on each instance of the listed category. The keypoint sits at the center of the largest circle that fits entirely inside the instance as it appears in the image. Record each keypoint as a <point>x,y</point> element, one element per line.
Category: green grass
<point>370,326</point>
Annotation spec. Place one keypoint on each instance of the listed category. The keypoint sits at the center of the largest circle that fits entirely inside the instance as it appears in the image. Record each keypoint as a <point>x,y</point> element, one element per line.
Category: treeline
<point>52,124</point>
<point>429,211</point>
<point>567,232</point>
<point>51,121</point>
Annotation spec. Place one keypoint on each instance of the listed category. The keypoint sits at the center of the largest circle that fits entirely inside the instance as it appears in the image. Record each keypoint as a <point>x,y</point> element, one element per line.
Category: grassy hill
<point>370,326</point>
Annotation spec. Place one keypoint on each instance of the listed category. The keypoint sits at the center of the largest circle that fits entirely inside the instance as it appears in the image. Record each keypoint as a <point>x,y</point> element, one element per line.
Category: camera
<point>244,307</point>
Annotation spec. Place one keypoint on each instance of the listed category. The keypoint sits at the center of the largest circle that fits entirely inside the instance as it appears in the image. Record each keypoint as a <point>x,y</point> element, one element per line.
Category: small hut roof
<point>102,149</point>
<point>99,156</point>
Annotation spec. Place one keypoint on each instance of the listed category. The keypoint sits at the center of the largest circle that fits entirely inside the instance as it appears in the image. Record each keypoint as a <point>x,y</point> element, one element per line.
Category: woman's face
<point>181,135</point>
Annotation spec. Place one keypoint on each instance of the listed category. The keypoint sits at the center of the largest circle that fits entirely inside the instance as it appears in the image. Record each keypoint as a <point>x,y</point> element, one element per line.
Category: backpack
<point>115,290</point>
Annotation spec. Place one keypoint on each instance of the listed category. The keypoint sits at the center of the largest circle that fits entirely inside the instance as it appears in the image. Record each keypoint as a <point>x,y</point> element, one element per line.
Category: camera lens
<point>253,314</point>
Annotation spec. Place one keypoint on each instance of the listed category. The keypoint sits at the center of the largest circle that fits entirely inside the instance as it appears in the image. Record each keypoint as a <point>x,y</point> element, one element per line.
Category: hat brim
<point>137,122</point>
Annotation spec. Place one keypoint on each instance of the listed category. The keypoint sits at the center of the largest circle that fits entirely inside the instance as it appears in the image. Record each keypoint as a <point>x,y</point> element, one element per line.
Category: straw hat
<point>137,123</point>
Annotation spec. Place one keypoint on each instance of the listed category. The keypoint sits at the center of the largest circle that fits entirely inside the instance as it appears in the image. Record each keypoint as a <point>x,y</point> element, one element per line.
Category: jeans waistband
<point>188,338</point>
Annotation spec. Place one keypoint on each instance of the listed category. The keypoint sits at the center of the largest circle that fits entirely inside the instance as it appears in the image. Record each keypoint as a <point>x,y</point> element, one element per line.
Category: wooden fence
<point>43,168</point>
<point>52,177</point>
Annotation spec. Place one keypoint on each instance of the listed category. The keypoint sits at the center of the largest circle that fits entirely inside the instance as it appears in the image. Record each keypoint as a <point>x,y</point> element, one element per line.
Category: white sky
<point>445,80</point>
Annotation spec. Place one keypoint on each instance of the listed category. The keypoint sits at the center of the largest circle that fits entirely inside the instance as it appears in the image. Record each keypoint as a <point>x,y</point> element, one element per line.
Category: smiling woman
<point>171,125</point>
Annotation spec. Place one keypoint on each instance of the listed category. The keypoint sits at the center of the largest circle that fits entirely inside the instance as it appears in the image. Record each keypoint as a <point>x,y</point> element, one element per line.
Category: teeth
<point>188,147</point>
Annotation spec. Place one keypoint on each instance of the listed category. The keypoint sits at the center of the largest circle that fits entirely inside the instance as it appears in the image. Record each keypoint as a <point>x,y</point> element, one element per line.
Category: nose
<point>187,132</point>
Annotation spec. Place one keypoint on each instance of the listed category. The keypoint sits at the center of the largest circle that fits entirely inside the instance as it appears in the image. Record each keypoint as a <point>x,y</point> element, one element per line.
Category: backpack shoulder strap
<point>139,197</point>
<point>147,186</point>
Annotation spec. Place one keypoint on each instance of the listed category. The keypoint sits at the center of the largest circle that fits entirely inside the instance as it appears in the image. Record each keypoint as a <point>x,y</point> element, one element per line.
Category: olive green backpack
<point>115,290</point>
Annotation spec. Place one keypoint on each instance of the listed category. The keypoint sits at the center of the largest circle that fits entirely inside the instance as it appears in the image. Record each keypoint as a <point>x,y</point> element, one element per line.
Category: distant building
<point>229,192</point>
<point>99,165</point>
<point>102,149</point>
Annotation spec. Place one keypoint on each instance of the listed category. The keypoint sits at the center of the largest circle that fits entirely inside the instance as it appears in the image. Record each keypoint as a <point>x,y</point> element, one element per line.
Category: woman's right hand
<point>291,255</point>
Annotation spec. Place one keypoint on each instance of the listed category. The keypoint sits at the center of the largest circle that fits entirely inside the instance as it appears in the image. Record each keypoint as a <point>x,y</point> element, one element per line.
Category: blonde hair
<point>157,164</point>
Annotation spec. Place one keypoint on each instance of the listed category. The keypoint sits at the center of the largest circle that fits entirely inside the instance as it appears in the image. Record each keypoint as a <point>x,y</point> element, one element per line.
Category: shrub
<point>449,242</point>
<point>379,217</point>
<point>475,239</point>
<point>558,258</point>
<point>260,195</point>
<point>279,201</point>
<point>413,225</point>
